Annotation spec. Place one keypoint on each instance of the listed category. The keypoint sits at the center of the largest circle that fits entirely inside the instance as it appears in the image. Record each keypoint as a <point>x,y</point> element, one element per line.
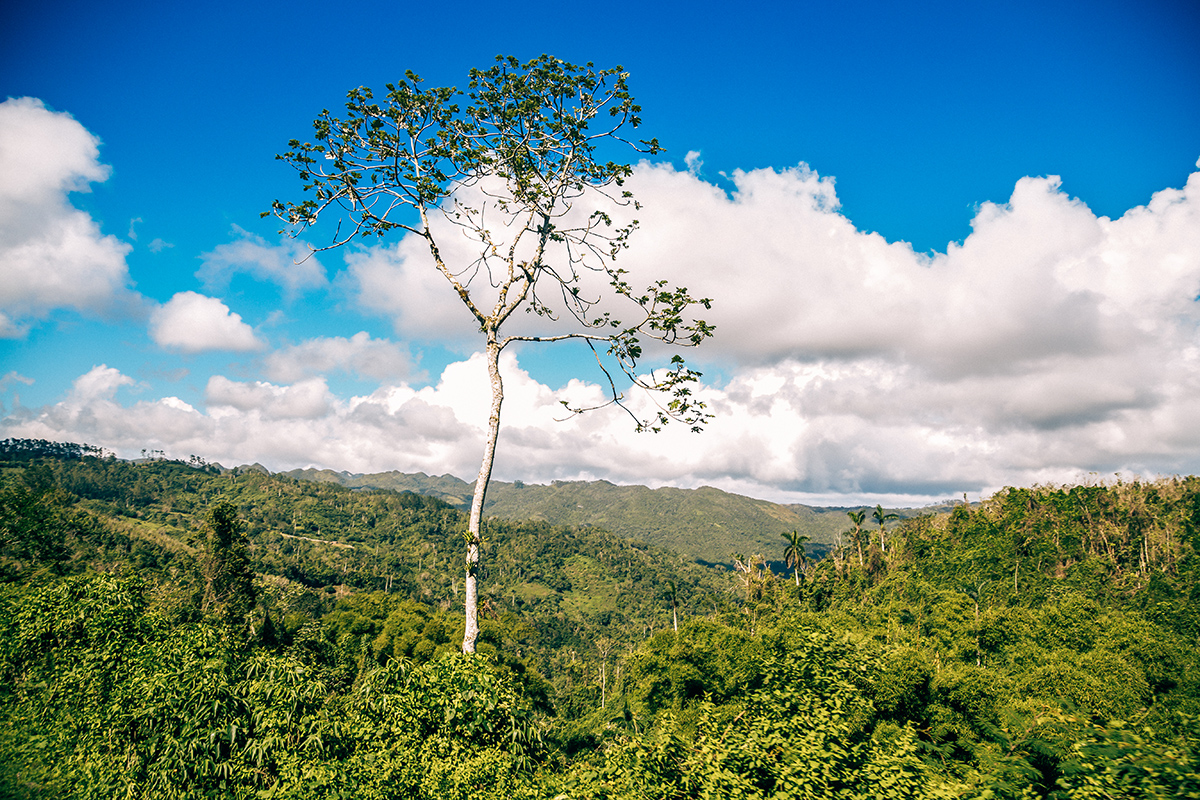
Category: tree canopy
<point>1038,645</point>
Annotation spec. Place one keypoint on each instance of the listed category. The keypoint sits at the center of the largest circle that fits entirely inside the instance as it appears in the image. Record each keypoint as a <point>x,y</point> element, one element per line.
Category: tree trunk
<point>977,631</point>
<point>471,600</point>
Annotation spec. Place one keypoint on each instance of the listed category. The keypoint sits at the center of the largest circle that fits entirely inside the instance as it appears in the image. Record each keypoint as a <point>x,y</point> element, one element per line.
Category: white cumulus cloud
<point>1040,277</point>
<point>361,355</point>
<point>291,263</point>
<point>193,323</point>
<point>1051,342</point>
<point>91,413</point>
<point>52,254</point>
<point>99,383</point>
<point>308,399</point>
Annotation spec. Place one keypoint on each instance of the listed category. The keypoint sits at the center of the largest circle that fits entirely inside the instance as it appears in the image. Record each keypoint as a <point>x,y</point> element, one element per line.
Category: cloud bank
<point>52,255</point>
<point>1050,343</point>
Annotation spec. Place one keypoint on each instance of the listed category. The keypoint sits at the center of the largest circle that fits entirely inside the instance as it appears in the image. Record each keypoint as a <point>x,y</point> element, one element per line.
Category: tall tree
<point>750,571</point>
<point>503,185</point>
<point>673,593</point>
<point>858,518</point>
<point>881,518</point>
<point>228,577</point>
<point>794,555</point>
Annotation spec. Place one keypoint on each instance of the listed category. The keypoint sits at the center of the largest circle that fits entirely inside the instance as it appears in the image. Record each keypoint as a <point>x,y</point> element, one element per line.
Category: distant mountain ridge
<point>705,524</point>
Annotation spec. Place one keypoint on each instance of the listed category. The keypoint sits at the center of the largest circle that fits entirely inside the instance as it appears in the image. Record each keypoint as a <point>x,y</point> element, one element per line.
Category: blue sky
<point>915,116</point>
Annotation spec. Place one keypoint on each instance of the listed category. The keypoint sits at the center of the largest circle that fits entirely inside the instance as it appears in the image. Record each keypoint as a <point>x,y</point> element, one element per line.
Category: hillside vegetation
<point>704,524</point>
<point>170,630</point>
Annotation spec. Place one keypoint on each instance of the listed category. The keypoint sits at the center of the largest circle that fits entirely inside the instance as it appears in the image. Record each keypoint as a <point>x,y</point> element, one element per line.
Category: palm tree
<point>857,517</point>
<point>794,556</point>
<point>880,518</point>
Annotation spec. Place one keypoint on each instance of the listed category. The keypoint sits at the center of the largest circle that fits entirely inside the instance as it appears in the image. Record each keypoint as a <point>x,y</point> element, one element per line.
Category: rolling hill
<point>705,524</point>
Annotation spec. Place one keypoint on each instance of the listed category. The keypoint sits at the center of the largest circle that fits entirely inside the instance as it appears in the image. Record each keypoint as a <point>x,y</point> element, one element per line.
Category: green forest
<point>178,630</point>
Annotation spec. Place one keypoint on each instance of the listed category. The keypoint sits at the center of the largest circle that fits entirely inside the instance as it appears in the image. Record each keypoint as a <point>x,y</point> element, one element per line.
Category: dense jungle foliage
<point>173,630</point>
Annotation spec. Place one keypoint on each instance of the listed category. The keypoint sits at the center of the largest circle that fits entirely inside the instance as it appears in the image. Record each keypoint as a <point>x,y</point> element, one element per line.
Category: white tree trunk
<point>471,600</point>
